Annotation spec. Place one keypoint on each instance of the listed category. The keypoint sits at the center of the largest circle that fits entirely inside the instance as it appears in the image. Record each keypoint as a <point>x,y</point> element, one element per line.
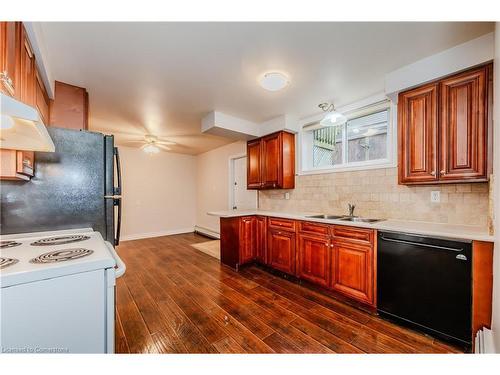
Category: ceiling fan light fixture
<point>332,117</point>
<point>151,148</point>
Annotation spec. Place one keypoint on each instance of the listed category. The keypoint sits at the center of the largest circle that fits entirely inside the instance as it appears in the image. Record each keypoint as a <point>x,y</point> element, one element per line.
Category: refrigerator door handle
<point>118,189</point>
<point>118,202</point>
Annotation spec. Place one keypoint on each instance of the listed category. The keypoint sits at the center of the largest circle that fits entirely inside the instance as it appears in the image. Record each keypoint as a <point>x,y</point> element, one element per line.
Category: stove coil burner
<point>60,240</point>
<point>61,255</point>
<point>6,262</point>
<point>7,244</point>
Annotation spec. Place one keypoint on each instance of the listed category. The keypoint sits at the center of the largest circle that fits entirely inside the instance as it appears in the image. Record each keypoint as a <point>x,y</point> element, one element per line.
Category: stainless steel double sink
<point>356,219</point>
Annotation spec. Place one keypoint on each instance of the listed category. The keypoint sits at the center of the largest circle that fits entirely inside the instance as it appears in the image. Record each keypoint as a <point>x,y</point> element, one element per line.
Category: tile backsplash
<point>377,194</point>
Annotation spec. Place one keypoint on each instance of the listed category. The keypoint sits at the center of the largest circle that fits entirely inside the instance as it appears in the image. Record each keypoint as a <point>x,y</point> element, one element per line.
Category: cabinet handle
<point>433,173</point>
<point>442,173</point>
<point>4,76</point>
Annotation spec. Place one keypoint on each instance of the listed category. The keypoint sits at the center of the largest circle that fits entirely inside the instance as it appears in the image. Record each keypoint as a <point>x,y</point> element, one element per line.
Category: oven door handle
<point>120,267</point>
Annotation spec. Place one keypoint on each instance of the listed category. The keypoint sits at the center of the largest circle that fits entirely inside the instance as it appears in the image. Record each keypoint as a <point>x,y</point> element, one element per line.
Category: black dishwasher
<point>426,283</point>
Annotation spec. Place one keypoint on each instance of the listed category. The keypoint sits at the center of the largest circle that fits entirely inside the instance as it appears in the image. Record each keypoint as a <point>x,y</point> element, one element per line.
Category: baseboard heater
<point>484,342</point>
<point>207,232</point>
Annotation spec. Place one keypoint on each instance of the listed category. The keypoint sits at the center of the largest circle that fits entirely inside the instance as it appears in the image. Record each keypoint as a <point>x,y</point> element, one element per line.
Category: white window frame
<point>362,108</point>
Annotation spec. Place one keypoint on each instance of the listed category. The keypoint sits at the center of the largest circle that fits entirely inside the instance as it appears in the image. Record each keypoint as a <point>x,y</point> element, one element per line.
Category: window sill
<point>349,168</point>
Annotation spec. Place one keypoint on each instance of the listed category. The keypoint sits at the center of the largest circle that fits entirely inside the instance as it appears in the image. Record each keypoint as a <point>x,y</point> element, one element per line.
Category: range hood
<point>21,127</point>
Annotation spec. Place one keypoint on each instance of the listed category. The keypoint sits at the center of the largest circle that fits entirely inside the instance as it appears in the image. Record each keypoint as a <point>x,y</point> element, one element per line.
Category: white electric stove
<point>58,292</point>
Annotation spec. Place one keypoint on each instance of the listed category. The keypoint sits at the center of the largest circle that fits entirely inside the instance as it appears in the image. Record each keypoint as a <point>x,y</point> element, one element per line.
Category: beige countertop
<point>466,232</point>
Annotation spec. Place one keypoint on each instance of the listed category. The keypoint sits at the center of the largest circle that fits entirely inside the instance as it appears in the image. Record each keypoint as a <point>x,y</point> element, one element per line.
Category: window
<point>363,141</point>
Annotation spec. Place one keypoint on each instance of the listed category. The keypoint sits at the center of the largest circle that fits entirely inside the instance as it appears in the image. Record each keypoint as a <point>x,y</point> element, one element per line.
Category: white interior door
<point>243,199</point>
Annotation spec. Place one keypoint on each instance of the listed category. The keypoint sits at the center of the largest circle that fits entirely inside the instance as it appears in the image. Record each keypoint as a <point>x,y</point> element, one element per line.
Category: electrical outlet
<point>435,196</point>
<point>287,196</point>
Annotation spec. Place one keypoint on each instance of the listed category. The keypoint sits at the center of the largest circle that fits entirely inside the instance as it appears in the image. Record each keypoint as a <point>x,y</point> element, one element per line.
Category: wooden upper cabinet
<point>41,98</point>
<point>418,121</point>
<point>9,56</point>
<point>69,109</point>
<point>261,239</point>
<point>247,239</point>
<point>464,126</point>
<point>254,164</point>
<point>443,129</point>
<point>27,71</point>
<point>16,165</point>
<point>271,162</point>
<point>313,258</point>
<point>281,250</point>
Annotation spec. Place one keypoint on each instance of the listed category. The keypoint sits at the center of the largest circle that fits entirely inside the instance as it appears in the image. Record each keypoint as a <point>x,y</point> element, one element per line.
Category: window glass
<point>367,137</point>
<point>328,146</point>
<point>360,139</point>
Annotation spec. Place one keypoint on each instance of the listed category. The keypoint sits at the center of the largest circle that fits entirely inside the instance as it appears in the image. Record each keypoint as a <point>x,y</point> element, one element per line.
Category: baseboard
<point>207,232</point>
<point>171,232</point>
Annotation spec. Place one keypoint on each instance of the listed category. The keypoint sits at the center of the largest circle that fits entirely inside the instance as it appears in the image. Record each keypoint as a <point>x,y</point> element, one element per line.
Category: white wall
<point>213,183</point>
<point>159,193</point>
<point>496,192</point>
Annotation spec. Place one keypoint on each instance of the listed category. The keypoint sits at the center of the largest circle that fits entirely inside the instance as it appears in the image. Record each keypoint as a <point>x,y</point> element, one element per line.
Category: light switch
<point>435,196</point>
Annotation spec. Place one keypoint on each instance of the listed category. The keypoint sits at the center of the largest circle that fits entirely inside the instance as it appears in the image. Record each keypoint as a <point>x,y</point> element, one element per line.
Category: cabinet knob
<point>433,173</point>
<point>442,173</point>
<point>4,76</point>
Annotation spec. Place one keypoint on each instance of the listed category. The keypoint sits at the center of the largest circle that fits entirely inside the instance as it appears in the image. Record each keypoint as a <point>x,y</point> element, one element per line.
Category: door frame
<point>230,194</point>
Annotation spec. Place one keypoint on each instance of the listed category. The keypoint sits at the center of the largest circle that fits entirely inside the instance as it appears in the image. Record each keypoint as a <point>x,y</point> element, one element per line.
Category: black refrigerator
<point>73,187</point>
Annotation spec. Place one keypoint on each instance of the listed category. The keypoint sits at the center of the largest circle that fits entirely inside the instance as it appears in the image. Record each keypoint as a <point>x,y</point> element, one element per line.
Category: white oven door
<point>58,315</point>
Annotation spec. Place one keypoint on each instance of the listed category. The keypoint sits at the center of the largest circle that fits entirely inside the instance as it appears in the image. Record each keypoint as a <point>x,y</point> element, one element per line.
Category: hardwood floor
<point>175,299</point>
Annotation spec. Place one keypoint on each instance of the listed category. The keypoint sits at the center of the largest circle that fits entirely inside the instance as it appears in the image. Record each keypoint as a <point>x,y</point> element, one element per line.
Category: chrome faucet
<point>351,208</point>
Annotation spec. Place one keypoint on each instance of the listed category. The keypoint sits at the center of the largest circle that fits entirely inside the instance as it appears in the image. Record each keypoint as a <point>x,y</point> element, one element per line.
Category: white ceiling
<point>163,78</point>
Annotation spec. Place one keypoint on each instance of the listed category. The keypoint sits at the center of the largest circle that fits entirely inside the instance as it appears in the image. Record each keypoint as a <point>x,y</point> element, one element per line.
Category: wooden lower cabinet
<point>261,239</point>
<point>313,259</point>
<point>247,239</point>
<point>335,257</point>
<point>281,250</point>
<point>353,271</point>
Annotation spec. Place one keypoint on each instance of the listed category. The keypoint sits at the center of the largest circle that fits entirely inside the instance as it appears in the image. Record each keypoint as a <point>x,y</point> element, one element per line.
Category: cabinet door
<point>313,260</point>
<point>247,239</point>
<point>463,128</point>
<point>27,72</point>
<point>261,239</point>
<point>254,164</point>
<point>9,41</point>
<point>352,271</point>
<point>41,99</point>
<point>271,161</point>
<point>281,250</point>
<point>69,109</point>
<point>418,121</point>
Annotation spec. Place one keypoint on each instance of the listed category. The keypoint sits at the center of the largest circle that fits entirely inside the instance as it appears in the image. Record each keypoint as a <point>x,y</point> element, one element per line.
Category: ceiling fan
<point>152,145</point>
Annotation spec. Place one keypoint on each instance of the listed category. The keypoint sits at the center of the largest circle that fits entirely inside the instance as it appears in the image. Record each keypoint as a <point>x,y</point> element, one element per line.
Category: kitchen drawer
<point>358,235</point>
<point>283,224</point>
<point>313,228</point>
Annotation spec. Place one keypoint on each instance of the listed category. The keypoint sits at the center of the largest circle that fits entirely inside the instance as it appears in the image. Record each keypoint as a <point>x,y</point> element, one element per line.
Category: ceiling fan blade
<point>167,143</point>
<point>165,148</point>
<point>132,143</point>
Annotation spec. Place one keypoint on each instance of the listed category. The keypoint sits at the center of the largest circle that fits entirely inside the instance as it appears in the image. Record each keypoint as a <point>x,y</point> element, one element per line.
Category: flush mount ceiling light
<point>332,117</point>
<point>274,81</point>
